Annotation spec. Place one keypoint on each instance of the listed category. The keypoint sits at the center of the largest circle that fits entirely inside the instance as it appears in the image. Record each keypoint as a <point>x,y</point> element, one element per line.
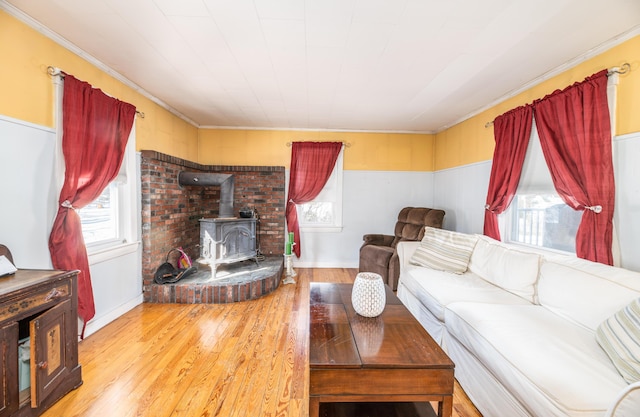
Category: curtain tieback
<point>488,207</point>
<point>595,209</point>
<point>67,204</point>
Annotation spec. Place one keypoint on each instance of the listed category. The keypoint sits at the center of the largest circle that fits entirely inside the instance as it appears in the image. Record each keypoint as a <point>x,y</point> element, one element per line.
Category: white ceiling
<point>377,65</point>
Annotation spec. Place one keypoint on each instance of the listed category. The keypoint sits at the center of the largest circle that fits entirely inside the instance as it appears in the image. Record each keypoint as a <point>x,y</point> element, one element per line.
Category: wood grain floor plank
<point>181,369</point>
<point>234,369</point>
<point>214,356</point>
<point>227,360</point>
<point>274,362</point>
<point>270,347</point>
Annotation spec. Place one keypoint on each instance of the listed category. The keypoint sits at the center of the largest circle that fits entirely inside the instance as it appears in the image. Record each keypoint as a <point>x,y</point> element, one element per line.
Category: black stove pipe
<point>204,179</point>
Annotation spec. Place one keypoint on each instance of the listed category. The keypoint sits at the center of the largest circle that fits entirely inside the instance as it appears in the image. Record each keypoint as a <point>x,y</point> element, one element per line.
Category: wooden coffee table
<point>389,358</point>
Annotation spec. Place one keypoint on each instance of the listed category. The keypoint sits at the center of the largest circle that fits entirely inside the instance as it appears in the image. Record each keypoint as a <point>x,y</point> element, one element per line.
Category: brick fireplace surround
<point>171,213</point>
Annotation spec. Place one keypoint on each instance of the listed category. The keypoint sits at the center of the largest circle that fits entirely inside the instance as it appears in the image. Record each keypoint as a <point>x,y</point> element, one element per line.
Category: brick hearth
<point>170,215</point>
<point>244,281</point>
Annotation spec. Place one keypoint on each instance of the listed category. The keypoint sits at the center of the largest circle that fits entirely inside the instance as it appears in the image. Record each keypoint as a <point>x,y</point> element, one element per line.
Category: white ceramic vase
<point>368,295</point>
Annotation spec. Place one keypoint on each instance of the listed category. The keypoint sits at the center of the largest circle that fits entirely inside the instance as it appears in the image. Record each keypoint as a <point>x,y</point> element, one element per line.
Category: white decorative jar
<point>368,295</point>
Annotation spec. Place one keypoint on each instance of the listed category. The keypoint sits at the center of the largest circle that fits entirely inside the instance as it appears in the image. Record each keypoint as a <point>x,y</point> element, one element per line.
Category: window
<point>544,220</point>
<point>100,218</point>
<point>537,215</point>
<point>107,221</point>
<point>111,223</point>
<point>324,213</point>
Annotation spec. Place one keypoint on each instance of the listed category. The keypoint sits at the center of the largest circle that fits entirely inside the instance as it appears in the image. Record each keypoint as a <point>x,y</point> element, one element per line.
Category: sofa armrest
<point>378,240</point>
<point>405,251</point>
<point>627,403</point>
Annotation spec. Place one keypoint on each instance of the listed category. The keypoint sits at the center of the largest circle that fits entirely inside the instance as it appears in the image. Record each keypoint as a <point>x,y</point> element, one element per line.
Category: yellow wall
<point>27,94</point>
<point>26,90</point>
<point>469,141</point>
<point>365,151</point>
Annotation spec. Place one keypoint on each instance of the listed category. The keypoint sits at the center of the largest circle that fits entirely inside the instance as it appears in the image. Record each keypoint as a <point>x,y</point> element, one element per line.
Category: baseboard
<point>97,324</point>
<point>297,264</point>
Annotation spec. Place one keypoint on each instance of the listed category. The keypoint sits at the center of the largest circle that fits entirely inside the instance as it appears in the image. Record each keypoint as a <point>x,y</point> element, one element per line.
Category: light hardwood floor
<point>241,359</point>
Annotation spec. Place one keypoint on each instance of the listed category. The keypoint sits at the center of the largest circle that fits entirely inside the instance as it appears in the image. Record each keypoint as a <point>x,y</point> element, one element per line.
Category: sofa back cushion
<point>412,221</point>
<point>585,292</point>
<point>509,268</point>
<point>444,250</point>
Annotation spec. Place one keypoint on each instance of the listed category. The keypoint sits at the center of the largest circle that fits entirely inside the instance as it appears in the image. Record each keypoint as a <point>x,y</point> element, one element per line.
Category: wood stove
<point>227,240</point>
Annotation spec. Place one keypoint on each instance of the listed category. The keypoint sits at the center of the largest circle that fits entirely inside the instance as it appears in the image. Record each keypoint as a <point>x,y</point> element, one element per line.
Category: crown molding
<point>39,27</point>
<point>623,37</point>
<point>65,43</point>
<point>300,129</point>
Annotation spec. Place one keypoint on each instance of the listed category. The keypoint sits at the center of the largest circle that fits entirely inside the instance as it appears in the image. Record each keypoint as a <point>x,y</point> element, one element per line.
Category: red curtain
<point>95,132</point>
<point>575,134</point>
<point>311,166</point>
<point>512,131</point>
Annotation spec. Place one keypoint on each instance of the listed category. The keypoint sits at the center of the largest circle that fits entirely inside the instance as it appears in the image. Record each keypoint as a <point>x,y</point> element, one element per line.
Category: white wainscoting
<point>29,203</point>
<point>114,287</point>
<point>462,193</point>
<point>626,157</point>
<point>371,203</point>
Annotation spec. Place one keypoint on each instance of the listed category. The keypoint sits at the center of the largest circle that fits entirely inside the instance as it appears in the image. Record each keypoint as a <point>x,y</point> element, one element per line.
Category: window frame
<point>125,189</point>
<point>511,218</point>
<point>507,219</point>
<point>128,185</point>
<point>337,178</point>
<point>535,180</point>
<point>128,189</point>
<point>114,200</point>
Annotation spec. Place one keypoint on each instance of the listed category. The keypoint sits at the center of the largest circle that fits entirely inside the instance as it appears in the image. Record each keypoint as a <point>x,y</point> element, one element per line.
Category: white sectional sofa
<point>521,328</point>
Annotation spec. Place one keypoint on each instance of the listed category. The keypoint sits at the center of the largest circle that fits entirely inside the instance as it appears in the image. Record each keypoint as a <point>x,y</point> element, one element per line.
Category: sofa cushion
<point>585,292</point>
<point>512,269</point>
<point>436,289</point>
<point>619,336</point>
<point>444,250</point>
<point>552,366</point>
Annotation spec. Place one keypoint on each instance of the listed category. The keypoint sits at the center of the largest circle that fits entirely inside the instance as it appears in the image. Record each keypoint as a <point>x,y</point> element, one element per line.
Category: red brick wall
<point>170,212</point>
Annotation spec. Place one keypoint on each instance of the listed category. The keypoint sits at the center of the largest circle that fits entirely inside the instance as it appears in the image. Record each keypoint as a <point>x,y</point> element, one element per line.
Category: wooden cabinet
<point>40,307</point>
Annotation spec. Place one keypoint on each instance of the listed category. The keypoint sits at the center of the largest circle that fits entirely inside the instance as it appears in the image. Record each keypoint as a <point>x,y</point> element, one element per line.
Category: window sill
<point>116,251</point>
<point>540,249</point>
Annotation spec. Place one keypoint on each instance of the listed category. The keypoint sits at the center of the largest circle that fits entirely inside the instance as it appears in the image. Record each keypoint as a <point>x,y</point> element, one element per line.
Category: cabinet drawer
<point>34,300</point>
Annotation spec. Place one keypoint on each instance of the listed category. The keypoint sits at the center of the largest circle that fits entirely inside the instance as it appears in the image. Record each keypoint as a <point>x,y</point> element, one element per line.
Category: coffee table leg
<point>445,406</point>
<point>314,407</point>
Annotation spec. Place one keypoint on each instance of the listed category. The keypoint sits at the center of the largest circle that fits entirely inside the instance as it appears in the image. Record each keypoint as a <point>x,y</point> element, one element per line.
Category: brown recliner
<point>378,252</point>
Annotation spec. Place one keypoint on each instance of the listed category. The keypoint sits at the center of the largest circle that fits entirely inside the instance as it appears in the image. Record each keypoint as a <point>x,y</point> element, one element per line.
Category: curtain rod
<point>53,71</point>
<point>345,144</point>
<point>622,69</point>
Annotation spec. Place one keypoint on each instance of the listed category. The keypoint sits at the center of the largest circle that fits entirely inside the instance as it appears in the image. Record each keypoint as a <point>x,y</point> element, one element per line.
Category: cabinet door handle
<point>53,294</point>
<point>43,365</point>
